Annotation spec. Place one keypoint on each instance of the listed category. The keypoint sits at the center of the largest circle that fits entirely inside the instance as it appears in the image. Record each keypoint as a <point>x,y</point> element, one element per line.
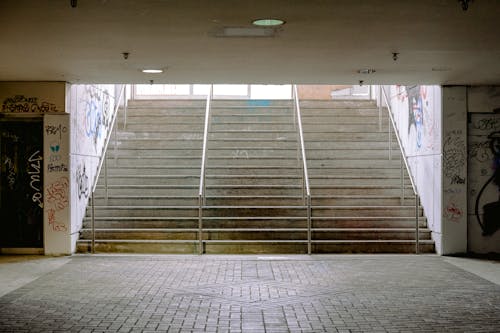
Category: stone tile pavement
<point>273,294</point>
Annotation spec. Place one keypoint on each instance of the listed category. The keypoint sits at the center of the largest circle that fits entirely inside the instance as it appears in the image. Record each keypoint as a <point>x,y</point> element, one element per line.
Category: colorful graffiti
<point>421,127</point>
<point>57,196</point>
<point>97,113</point>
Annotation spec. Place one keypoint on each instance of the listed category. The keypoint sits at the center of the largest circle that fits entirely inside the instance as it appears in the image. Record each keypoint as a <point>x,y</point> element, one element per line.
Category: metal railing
<point>202,188</point>
<point>306,191</point>
<point>102,160</point>
<point>404,161</point>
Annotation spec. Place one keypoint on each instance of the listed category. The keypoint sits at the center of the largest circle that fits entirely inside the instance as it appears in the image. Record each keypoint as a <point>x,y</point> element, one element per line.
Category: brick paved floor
<point>401,293</point>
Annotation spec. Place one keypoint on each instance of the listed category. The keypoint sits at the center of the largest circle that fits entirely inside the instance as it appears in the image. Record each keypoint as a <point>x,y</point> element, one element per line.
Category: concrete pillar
<point>454,167</point>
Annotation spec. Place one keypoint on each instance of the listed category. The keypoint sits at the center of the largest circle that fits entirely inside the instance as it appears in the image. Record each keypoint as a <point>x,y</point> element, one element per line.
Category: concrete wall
<point>91,111</point>
<point>481,102</point>
<point>454,182</point>
<point>417,113</point>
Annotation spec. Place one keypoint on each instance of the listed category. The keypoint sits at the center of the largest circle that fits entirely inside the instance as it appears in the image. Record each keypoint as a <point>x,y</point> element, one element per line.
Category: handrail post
<point>417,226</point>
<point>390,143</point>
<point>401,176</point>
<point>200,225</point>
<point>305,175</point>
<point>125,112</point>
<point>379,108</point>
<point>202,188</point>
<point>92,223</point>
<point>105,179</point>
<point>405,160</point>
<point>102,159</point>
<point>309,225</point>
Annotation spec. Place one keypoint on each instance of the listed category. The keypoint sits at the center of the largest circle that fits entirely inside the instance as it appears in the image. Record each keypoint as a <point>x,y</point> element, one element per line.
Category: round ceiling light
<point>269,22</point>
<point>366,71</point>
<point>152,71</point>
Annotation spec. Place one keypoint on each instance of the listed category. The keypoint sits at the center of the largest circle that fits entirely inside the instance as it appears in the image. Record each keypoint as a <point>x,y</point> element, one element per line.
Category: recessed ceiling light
<point>152,71</point>
<point>366,71</point>
<point>269,22</point>
<point>246,32</point>
<point>441,69</point>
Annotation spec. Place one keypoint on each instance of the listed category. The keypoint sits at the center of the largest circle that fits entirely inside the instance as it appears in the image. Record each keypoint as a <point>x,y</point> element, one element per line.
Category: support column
<point>454,168</point>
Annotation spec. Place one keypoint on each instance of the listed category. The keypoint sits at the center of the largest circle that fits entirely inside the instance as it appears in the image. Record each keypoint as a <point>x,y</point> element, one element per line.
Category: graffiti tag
<point>23,104</point>
<point>34,168</point>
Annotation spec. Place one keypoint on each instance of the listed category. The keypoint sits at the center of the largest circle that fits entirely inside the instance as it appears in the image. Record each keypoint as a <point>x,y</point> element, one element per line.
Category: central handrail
<point>201,190</point>
<point>407,166</point>
<point>305,175</point>
<point>102,159</point>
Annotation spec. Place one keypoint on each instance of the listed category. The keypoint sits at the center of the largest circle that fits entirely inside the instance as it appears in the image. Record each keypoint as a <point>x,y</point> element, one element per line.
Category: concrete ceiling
<point>323,41</point>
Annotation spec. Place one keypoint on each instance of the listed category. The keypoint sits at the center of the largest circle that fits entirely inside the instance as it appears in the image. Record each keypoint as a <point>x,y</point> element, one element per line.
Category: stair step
<point>335,119</point>
<point>254,247</point>
<point>364,211</point>
<point>146,135</point>
<point>367,222</point>
<point>139,246</point>
<point>342,136</point>
<point>142,200</point>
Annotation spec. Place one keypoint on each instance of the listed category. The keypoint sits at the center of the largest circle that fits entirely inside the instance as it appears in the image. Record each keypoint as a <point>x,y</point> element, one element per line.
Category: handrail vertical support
<point>92,223</point>
<point>202,200</point>
<point>404,159</point>
<point>125,118</point>
<point>200,225</point>
<point>379,108</point>
<point>417,226</point>
<point>306,190</point>
<point>309,226</point>
<point>390,143</point>
<point>402,179</point>
<point>103,159</point>
<point>105,179</point>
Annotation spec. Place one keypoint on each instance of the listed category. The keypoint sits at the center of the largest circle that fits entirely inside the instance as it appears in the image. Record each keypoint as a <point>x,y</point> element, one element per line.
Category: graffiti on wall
<point>34,171</point>
<point>55,159</point>
<point>454,158</point>
<point>453,212</point>
<point>82,182</point>
<point>484,170</point>
<point>23,104</point>
<point>422,127</point>
<point>57,197</point>
<point>97,113</point>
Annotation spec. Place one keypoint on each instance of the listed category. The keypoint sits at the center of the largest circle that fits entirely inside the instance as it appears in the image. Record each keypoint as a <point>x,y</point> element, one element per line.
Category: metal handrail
<point>201,191</point>
<point>102,159</point>
<point>404,158</point>
<point>305,175</point>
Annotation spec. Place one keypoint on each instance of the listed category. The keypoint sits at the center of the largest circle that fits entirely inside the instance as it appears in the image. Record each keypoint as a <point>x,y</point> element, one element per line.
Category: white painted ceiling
<point>323,41</point>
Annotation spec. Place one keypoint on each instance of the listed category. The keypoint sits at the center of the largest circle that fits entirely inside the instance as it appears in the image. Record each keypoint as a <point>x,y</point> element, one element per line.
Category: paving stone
<point>250,294</point>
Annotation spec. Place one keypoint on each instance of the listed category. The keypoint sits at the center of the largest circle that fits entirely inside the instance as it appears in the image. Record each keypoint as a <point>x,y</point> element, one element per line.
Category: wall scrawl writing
<point>97,113</point>
<point>57,197</point>
<point>23,104</point>
<point>454,159</point>
<point>453,213</point>
<point>82,181</point>
<point>34,170</point>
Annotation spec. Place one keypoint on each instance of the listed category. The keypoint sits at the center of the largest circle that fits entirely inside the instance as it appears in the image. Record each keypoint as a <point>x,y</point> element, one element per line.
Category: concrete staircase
<point>355,186</point>
<point>253,192</point>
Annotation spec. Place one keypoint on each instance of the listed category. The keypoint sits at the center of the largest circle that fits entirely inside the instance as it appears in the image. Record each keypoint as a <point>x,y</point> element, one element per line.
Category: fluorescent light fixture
<point>268,22</point>
<point>246,32</point>
<point>441,69</point>
<point>152,71</point>
<point>366,71</point>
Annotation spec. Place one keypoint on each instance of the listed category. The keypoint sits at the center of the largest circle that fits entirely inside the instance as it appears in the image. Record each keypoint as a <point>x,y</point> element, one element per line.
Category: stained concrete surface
<point>320,293</point>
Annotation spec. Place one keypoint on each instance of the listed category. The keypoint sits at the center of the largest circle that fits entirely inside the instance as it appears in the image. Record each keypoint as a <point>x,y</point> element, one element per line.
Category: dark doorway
<point>21,183</point>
